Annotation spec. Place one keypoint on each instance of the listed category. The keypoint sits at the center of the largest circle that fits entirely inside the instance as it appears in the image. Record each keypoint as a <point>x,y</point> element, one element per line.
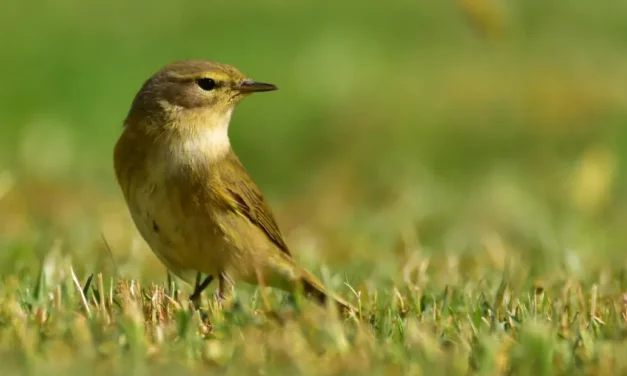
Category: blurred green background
<point>439,127</point>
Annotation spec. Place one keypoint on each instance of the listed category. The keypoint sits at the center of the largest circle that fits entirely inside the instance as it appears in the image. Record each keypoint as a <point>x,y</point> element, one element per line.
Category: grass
<point>485,320</point>
<point>500,323</point>
<point>455,169</point>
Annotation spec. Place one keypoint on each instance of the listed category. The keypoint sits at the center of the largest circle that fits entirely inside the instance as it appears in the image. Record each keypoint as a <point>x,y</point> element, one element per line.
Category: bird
<point>188,194</point>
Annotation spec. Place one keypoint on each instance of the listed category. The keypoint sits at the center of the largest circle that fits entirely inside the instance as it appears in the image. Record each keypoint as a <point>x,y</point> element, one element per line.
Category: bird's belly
<point>186,241</point>
<point>190,232</point>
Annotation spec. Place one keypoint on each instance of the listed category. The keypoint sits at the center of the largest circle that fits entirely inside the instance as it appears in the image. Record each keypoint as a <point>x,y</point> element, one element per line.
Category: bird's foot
<point>220,299</point>
<point>198,289</point>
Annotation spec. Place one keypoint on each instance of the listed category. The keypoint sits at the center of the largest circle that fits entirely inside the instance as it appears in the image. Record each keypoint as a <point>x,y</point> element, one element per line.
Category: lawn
<point>454,169</point>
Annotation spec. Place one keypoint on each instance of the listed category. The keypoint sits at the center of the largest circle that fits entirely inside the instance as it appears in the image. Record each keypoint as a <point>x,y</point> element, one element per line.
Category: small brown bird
<point>188,194</point>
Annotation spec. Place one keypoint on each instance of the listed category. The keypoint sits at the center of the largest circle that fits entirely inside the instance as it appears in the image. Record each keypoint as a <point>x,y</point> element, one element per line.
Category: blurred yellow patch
<point>592,179</point>
<point>485,16</point>
<point>6,182</point>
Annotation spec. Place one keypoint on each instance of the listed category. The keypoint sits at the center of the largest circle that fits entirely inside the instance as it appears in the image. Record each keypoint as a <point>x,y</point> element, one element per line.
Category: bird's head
<point>191,94</point>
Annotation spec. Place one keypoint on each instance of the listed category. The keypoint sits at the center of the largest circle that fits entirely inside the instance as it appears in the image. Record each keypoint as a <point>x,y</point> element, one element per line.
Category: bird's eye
<point>206,84</point>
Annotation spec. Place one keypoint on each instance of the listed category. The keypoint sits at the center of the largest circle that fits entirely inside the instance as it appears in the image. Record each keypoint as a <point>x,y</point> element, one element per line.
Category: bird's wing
<point>243,196</point>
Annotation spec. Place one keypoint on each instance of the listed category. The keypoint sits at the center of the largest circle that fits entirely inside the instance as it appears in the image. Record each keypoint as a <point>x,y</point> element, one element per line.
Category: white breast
<point>207,140</point>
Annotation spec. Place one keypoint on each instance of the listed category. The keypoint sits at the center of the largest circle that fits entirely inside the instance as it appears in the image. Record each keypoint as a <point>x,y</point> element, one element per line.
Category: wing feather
<point>244,197</point>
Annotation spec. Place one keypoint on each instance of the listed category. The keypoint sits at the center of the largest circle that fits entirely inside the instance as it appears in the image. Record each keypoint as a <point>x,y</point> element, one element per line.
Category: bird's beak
<point>250,86</point>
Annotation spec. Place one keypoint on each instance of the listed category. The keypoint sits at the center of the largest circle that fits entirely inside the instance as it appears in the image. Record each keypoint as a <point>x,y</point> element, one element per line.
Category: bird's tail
<point>313,287</point>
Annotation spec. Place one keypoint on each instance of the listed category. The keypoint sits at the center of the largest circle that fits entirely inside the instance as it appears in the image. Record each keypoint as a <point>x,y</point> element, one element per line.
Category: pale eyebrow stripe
<point>191,77</point>
<point>185,76</point>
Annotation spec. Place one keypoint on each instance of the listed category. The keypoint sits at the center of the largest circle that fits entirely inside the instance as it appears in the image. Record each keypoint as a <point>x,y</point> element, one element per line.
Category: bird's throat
<point>209,138</point>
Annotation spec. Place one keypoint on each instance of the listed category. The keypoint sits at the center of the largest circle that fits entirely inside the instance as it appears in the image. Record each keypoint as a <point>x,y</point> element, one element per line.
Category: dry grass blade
<point>77,284</point>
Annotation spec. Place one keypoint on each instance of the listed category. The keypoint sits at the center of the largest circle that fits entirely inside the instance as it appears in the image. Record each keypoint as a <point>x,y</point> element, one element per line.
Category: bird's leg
<point>199,287</point>
<point>197,283</point>
<point>170,285</point>
<point>224,284</point>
